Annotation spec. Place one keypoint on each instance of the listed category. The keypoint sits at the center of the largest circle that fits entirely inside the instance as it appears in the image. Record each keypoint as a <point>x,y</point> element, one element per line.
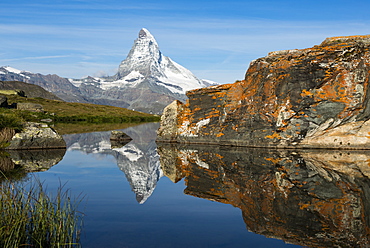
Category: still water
<point>143,195</point>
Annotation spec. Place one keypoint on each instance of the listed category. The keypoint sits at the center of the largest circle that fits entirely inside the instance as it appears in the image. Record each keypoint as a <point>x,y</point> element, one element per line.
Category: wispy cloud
<point>36,58</point>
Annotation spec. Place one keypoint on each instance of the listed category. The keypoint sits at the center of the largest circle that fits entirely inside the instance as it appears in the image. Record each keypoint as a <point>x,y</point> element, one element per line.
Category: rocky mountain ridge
<point>29,90</point>
<point>59,86</point>
<point>309,98</point>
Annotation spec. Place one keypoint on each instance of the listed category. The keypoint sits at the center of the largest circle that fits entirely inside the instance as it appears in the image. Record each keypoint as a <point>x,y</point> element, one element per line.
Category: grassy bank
<point>32,218</point>
<point>67,112</point>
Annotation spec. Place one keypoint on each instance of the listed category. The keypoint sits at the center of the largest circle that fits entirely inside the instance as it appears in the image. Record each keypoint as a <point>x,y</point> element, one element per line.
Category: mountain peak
<point>145,38</point>
<point>144,33</point>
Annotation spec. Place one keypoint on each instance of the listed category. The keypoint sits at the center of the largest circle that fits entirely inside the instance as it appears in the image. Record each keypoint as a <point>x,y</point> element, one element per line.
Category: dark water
<point>141,195</point>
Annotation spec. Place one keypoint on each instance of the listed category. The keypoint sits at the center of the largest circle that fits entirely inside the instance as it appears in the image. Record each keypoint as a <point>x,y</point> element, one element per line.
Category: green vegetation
<point>32,218</point>
<point>10,120</point>
<point>9,92</point>
<point>67,112</point>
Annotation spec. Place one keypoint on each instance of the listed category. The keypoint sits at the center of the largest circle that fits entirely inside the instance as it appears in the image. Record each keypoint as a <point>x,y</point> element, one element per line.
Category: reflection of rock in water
<point>138,159</point>
<point>37,160</point>
<point>16,164</point>
<point>315,198</point>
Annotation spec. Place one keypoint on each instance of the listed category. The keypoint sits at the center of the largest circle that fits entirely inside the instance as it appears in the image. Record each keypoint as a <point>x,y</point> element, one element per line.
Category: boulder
<point>3,101</point>
<point>317,97</point>
<point>30,107</point>
<point>36,136</point>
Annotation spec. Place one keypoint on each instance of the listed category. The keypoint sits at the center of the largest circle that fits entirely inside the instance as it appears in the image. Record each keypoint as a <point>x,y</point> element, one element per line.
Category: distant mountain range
<point>146,80</point>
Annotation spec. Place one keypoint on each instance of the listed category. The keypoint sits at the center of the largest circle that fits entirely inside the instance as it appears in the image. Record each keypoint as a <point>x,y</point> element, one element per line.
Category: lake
<point>143,195</point>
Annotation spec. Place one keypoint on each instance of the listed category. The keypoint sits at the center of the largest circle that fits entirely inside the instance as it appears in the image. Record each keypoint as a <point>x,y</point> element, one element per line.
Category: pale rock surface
<point>36,136</point>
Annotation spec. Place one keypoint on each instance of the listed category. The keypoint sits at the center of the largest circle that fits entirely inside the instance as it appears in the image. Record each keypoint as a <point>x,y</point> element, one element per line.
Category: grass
<point>67,112</point>
<point>10,120</point>
<point>32,218</point>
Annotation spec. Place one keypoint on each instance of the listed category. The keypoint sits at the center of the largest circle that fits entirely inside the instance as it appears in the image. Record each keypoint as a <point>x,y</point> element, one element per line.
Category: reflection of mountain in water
<point>315,198</point>
<point>138,159</point>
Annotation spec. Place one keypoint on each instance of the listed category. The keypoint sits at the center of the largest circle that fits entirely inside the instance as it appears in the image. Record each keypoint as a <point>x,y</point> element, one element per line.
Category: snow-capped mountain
<point>146,80</point>
<point>146,61</point>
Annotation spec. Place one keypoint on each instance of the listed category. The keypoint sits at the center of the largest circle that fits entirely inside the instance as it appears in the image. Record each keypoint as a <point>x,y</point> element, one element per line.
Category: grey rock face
<point>36,136</point>
<point>169,120</point>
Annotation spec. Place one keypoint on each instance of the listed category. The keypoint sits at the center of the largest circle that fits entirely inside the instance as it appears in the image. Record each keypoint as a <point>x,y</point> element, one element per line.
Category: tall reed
<point>30,217</point>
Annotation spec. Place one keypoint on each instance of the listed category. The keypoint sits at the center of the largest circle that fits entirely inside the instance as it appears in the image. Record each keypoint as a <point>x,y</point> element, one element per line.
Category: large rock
<point>36,136</point>
<point>34,107</point>
<point>311,98</point>
<point>169,121</point>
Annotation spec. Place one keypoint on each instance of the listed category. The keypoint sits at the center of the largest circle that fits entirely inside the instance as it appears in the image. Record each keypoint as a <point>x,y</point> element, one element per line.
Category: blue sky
<point>216,40</point>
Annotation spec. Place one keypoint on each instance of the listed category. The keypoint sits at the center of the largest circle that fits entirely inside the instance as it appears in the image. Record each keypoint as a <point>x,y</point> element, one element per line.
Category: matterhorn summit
<point>143,56</point>
<point>145,61</point>
<point>146,80</point>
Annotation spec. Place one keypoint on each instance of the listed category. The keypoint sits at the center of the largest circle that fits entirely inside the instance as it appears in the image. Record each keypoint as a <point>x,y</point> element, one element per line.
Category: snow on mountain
<point>209,82</point>
<point>10,69</point>
<point>7,69</point>
<point>145,61</point>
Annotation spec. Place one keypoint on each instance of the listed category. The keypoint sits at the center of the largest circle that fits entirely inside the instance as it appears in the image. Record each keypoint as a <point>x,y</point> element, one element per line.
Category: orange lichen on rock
<point>290,95</point>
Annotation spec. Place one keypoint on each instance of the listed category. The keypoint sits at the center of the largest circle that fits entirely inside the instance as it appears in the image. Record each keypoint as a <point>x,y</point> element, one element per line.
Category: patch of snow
<point>11,69</point>
<point>75,82</point>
